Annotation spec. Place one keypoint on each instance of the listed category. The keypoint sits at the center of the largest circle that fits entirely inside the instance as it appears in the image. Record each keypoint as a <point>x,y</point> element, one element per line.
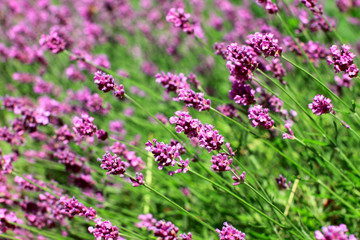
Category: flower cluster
<point>228,232</point>
<point>106,83</point>
<point>104,230</point>
<point>259,116</point>
<point>180,19</point>
<point>238,178</point>
<point>84,126</point>
<point>146,221</point>
<point>165,230</point>
<point>321,105</point>
<point>241,61</point>
<point>172,82</point>
<point>113,164</point>
<point>228,110</point>
<point>195,100</point>
<point>54,42</point>
<point>343,60</point>
<point>6,218</point>
<point>282,182</point>
<point>185,123</point>
<point>334,233</point>
<point>72,207</point>
<point>242,93</point>
<point>268,5</point>
<point>313,6</point>
<point>221,162</point>
<point>265,44</point>
<point>138,180</point>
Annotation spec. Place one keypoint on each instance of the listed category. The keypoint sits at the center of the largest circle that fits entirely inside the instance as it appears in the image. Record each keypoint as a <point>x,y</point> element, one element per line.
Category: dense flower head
<point>105,82</point>
<point>180,19</point>
<point>113,164</point>
<point>185,123</point>
<point>282,182</point>
<point>241,61</point>
<point>119,91</point>
<point>187,236</point>
<point>84,126</point>
<point>238,178</point>
<point>345,81</point>
<point>259,116</point>
<point>265,44</point>
<point>277,69</point>
<point>172,82</point>
<point>72,207</point>
<point>228,110</point>
<point>321,105</point>
<point>242,93</point>
<point>138,180</point>
<point>209,138</point>
<point>228,232</point>
<point>6,218</point>
<point>220,49</point>
<point>195,100</point>
<point>268,5</point>
<point>221,162</point>
<point>64,135</point>
<point>54,42</point>
<point>165,230</point>
<point>334,233</point>
<point>165,154</point>
<point>343,60</point>
<point>104,230</point>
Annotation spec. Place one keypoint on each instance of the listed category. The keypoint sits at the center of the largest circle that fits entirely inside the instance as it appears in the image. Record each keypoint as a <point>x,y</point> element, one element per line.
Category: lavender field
<point>180,119</point>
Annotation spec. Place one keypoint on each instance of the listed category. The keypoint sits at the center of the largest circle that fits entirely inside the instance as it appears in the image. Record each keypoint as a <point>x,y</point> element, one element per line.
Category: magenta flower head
<point>146,221</point>
<point>139,180</point>
<point>228,232</point>
<point>165,230</point>
<point>343,60</point>
<point>185,123</point>
<point>312,6</point>
<point>221,162</point>
<point>72,207</point>
<point>104,230</point>
<point>321,105</point>
<point>242,93</point>
<point>268,5</point>
<point>119,91</point>
<point>84,126</point>
<point>265,44</point>
<point>187,236</point>
<point>241,61</point>
<point>209,138</point>
<point>180,19</point>
<point>104,81</point>
<point>334,233</point>
<point>195,100</point>
<point>259,116</point>
<point>113,164</point>
<point>282,182</point>
<point>172,82</point>
<point>238,178</point>
<point>53,42</point>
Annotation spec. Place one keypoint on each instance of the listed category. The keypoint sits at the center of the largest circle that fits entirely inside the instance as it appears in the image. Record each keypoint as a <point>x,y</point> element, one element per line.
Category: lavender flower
<point>180,19</point>
<point>139,180</point>
<point>241,61</point>
<point>282,182</point>
<point>146,221</point>
<point>268,5</point>
<point>84,126</point>
<point>209,138</point>
<point>104,81</point>
<point>113,164</point>
<point>104,230</point>
<point>185,123</point>
<point>221,162</point>
<point>343,60</point>
<point>242,93</point>
<point>53,42</point>
<point>265,44</point>
<point>228,110</point>
<point>165,230</point>
<point>321,105</point>
<point>172,82</point>
<point>195,100</point>
<point>312,6</point>
<point>119,91</point>
<point>238,178</point>
<point>228,232</point>
<point>260,117</point>
<point>72,207</point>
<point>187,236</point>
<point>6,218</point>
<point>345,81</point>
<point>334,233</point>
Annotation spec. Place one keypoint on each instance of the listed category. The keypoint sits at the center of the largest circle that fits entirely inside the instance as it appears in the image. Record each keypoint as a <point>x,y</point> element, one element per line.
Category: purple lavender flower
<point>104,81</point>
<point>172,82</point>
<point>265,44</point>
<point>241,61</point>
<point>180,19</point>
<point>343,60</point>
<point>209,138</point>
<point>220,49</point>
<point>345,81</point>
<point>54,42</point>
<point>104,230</point>
<point>282,182</point>
<point>113,164</point>
<point>228,232</point>
<point>84,126</point>
<point>72,207</point>
<point>185,123</point>
<point>165,230</point>
<point>187,236</point>
<point>101,134</point>
<point>139,180</point>
<point>194,80</point>
<point>312,6</point>
<point>288,125</point>
<point>259,116</point>
<point>165,154</point>
<point>6,218</point>
<point>228,110</point>
<point>119,91</point>
<point>334,233</point>
<point>242,93</point>
<point>64,135</point>
<point>146,221</point>
<point>321,105</point>
<point>277,69</point>
<point>195,100</point>
<point>268,5</point>
<point>221,162</point>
